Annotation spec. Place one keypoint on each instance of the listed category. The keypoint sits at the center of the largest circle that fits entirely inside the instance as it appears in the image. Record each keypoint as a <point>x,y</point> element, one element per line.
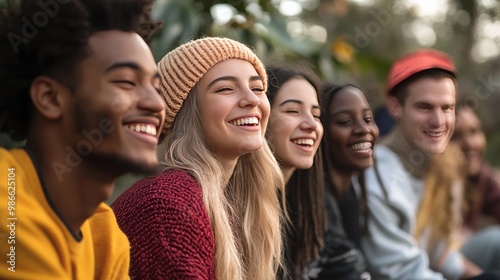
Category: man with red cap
<point>421,98</point>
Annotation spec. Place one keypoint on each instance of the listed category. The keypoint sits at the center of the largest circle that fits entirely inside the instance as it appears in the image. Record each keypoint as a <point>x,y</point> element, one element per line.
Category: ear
<point>394,107</point>
<point>47,96</point>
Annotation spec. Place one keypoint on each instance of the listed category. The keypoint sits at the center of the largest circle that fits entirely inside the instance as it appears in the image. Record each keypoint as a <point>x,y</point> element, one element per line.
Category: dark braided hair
<point>50,38</point>
<point>304,190</point>
<point>330,90</point>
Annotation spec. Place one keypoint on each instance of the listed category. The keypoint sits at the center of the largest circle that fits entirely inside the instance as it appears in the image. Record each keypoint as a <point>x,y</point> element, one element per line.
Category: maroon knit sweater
<point>488,204</point>
<point>168,227</point>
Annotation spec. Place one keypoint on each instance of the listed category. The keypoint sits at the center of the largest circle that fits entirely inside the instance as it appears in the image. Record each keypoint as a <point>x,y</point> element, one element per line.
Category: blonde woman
<point>439,216</point>
<point>214,211</point>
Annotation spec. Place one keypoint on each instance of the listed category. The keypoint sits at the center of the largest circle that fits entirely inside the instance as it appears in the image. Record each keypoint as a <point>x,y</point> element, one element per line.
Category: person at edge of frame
<point>82,90</point>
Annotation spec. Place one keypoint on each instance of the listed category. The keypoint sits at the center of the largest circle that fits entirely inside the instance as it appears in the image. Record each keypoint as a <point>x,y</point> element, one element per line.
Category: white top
<point>390,248</point>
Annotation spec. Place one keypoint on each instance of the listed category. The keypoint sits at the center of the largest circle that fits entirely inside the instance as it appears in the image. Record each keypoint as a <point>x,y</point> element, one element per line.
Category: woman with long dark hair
<point>295,134</point>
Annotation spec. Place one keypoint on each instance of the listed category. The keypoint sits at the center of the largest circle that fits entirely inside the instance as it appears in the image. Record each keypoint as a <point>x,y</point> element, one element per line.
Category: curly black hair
<point>49,38</point>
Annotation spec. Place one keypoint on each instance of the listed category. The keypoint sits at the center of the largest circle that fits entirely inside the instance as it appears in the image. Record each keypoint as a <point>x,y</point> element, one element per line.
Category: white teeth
<point>361,146</point>
<point>246,121</point>
<point>144,128</point>
<point>435,134</point>
<point>304,141</point>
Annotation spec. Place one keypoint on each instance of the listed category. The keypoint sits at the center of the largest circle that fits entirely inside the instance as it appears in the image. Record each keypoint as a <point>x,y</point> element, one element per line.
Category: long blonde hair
<point>245,212</point>
<point>440,210</point>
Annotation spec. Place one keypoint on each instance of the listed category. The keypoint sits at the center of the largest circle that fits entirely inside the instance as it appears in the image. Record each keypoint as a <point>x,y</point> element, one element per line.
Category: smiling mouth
<point>306,142</point>
<point>435,134</point>
<point>250,121</point>
<point>362,146</point>
<point>145,128</point>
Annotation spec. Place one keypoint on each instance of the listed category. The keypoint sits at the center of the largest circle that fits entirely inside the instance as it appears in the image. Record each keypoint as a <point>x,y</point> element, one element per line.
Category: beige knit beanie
<point>183,67</point>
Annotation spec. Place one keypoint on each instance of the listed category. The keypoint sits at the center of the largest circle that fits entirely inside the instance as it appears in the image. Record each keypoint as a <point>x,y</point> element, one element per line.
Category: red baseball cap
<point>418,61</point>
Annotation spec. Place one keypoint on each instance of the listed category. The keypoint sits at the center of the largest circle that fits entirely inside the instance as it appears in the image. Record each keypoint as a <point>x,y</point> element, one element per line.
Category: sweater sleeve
<point>168,228</point>
<point>111,246</point>
<point>391,250</point>
<point>453,265</point>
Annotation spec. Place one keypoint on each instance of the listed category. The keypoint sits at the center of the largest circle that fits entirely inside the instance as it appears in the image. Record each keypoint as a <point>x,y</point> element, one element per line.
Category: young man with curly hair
<point>80,85</point>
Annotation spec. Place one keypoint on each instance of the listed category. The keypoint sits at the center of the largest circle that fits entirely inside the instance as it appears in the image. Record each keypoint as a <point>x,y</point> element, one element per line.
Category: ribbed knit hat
<point>183,67</point>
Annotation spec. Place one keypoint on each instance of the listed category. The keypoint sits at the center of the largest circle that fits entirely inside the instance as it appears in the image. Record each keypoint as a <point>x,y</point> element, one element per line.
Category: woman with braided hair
<point>350,136</point>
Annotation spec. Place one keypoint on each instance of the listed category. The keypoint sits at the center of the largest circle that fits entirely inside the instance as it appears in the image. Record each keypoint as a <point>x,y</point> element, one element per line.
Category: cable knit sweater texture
<point>168,227</point>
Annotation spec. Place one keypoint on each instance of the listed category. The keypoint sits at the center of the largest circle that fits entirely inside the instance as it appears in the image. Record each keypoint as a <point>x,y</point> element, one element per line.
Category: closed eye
<point>259,90</point>
<point>345,123</point>
<point>224,89</point>
<point>124,82</point>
